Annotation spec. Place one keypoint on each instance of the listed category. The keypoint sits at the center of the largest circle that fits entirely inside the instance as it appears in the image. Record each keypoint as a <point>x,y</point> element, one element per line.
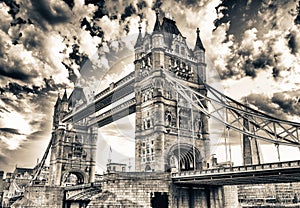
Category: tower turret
<point>157,43</point>
<point>199,53</point>
<point>57,107</point>
<point>64,102</point>
<point>157,27</point>
<point>60,109</point>
<point>199,45</point>
<point>139,41</point>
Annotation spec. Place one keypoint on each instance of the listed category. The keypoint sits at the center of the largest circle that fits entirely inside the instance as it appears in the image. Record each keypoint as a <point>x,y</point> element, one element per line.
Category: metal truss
<point>239,117</point>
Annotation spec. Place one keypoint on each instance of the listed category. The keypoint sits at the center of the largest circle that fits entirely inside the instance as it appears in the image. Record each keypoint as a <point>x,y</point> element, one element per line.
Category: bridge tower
<point>251,146</point>
<point>73,149</point>
<point>170,134</point>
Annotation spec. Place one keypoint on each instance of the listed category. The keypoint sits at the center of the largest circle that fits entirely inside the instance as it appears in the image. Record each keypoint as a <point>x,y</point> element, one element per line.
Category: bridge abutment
<point>138,189</point>
<point>223,197</point>
<point>204,197</point>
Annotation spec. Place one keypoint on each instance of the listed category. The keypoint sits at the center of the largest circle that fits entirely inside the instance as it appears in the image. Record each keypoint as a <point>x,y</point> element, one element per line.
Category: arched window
<point>148,123</point>
<point>148,168</point>
<point>168,119</point>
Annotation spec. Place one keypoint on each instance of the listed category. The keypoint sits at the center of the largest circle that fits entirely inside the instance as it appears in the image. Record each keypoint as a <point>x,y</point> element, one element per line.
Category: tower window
<point>148,168</point>
<point>177,48</point>
<point>168,120</point>
<point>148,124</point>
<point>182,51</point>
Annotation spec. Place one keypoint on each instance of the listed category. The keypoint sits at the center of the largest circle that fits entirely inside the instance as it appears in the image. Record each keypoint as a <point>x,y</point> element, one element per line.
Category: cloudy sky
<point>252,45</point>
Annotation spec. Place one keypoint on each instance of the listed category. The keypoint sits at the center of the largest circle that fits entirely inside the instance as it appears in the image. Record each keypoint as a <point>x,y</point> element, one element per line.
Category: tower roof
<point>157,23</point>
<point>65,97</point>
<point>58,101</point>
<point>139,40</point>
<point>170,26</point>
<point>76,96</point>
<point>199,45</point>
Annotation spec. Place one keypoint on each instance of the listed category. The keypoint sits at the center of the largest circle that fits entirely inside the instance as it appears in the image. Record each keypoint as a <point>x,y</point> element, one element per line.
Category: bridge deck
<point>281,172</point>
<point>105,98</point>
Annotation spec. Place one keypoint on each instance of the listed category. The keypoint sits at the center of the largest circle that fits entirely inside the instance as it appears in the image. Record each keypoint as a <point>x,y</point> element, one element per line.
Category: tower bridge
<point>172,103</point>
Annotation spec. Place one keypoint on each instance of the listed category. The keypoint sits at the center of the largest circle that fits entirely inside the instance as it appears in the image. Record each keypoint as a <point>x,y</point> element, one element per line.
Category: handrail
<point>236,169</point>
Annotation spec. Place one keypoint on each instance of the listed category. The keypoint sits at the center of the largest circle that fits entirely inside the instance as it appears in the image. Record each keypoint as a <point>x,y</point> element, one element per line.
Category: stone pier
<point>204,197</point>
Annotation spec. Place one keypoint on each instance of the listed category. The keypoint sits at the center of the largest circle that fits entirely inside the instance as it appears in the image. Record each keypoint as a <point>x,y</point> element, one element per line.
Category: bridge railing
<point>235,169</point>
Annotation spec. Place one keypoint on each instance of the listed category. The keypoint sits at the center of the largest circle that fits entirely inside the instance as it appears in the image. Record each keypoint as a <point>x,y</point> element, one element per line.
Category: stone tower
<point>73,150</point>
<point>251,146</point>
<point>167,127</point>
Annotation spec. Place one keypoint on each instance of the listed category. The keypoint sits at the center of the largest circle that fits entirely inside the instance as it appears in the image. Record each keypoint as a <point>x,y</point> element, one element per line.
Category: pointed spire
<point>157,23</point>
<point>199,45</point>
<point>139,40</point>
<point>58,101</point>
<point>65,97</point>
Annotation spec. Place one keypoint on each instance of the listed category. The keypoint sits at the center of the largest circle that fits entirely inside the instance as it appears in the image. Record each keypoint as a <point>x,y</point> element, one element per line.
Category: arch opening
<point>148,168</point>
<point>184,157</point>
<point>73,178</point>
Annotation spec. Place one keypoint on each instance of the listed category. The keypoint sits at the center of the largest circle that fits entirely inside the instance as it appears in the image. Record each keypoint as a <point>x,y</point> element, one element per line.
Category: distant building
<point>23,173</point>
<point>115,167</point>
<point>12,187</point>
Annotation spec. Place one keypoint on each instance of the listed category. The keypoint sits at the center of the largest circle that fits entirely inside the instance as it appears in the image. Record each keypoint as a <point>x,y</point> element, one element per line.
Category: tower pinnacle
<point>157,23</point>
<point>58,101</point>
<point>65,97</point>
<point>198,45</point>
<point>139,40</point>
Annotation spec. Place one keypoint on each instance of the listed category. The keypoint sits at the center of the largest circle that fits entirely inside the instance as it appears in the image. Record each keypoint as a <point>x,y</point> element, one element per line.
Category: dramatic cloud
<point>259,35</point>
<point>9,131</point>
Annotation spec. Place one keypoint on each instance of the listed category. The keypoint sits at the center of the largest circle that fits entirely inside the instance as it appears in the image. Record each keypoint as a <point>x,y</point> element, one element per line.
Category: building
<point>164,130</point>
<point>115,167</point>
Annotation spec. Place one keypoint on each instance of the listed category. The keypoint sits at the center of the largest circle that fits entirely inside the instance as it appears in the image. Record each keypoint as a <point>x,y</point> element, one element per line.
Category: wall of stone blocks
<point>131,189</point>
<point>45,196</point>
<point>138,189</point>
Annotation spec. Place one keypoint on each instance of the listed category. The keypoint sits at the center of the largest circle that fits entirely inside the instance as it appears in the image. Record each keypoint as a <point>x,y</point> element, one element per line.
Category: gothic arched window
<point>168,119</point>
<point>148,168</point>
